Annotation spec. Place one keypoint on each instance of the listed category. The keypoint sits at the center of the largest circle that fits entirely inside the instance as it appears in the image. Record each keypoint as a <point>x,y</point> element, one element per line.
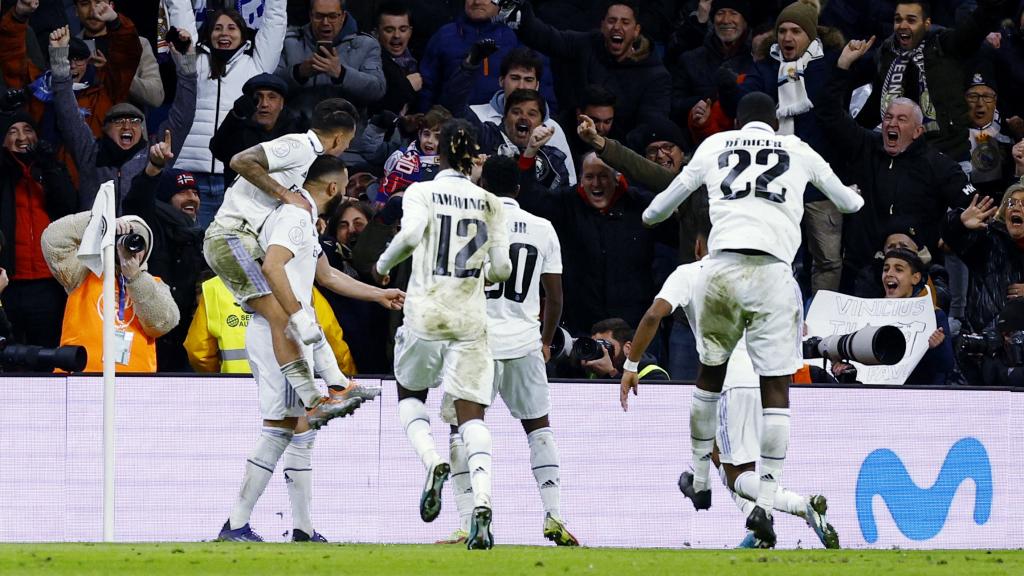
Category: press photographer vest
<point>226,321</point>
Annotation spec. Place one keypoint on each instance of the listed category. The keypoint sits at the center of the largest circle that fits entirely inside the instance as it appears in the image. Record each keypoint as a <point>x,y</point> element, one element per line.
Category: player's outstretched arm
<point>641,340</point>
<point>252,164</point>
<point>340,283</point>
<point>552,284</point>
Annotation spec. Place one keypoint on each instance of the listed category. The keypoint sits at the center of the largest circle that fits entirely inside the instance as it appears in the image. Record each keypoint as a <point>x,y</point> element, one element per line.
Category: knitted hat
<point>663,130</point>
<point>265,82</point>
<point>8,119</point>
<point>803,15</point>
<point>123,110</point>
<point>78,49</point>
<point>174,181</point>
<point>741,6</point>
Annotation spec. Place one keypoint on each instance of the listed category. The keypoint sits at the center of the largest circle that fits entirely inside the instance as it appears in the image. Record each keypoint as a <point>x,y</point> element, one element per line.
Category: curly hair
<point>458,145</point>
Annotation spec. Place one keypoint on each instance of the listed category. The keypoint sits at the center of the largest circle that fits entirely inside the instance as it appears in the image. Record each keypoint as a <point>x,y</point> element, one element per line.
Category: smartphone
<point>326,47</point>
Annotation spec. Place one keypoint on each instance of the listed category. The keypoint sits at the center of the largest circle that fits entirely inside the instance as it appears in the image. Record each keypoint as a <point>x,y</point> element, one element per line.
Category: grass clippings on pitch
<point>365,559</point>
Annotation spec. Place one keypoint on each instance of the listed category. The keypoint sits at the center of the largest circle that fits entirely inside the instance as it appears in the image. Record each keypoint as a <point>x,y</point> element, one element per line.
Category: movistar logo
<point>920,513</point>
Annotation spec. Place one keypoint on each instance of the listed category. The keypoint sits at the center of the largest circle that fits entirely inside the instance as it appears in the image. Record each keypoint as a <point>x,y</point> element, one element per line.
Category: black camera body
<point>38,358</point>
<point>586,349</point>
<point>1008,348</point>
<point>175,38</point>
<point>133,242</point>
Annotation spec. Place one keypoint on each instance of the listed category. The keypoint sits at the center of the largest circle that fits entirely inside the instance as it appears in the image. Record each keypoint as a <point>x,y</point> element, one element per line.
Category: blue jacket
<point>448,48</point>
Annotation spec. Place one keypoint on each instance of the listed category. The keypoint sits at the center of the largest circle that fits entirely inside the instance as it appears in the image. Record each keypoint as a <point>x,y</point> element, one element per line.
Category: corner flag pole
<point>109,346</point>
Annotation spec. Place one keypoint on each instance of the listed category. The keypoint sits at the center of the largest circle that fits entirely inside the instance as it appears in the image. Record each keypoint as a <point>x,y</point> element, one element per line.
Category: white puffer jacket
<point>215,97</point>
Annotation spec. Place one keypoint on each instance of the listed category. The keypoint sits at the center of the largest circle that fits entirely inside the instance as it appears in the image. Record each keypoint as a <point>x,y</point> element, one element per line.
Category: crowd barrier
<point>907,468</point>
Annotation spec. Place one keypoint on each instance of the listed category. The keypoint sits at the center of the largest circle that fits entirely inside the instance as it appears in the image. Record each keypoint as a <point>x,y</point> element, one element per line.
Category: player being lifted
<point>755,180</point>
<point>738,440</point>
<point>271,174</point>
<point>520,345</point>
<point>455,232</point>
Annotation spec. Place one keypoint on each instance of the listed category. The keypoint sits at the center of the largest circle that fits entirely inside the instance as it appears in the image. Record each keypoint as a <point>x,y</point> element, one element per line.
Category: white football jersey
<point>292,227</point>
<point>460,222</point>
<point>755,180</point>
<point>513,306</point>
<point>289,158</point>
<point>680,291</point>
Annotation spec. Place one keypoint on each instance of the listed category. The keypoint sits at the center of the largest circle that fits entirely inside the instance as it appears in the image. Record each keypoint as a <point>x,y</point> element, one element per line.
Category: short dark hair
<point>523,95</point>
<point>334,115</point>
<point>500,176</point>
<point>340,3</point>
<point>597,95</point>
<point>631,4</point>
<point>911,258</point>
<point>756,107</point>
<point>926,7</point>
<point>393,8</point>
<point>619,328</point>
<point>434,118</point>
<point>457,145</point>
<point>324,166</point>
<point>522,57</point>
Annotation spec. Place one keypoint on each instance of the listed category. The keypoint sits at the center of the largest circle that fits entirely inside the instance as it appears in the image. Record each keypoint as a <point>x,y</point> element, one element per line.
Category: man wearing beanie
<point>35,189</point>
<point>168,201</point>
<point>694,85</point>
<point>796,70</point>
<point>929,67</point>
<point>119,153</point>
<point>259,115</point>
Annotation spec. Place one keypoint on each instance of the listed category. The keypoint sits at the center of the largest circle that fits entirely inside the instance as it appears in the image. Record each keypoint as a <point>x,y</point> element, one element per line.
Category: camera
<point>871,346</point>
<point>578,349</point>
<point>38,358</point>
<point>132,242</point>
<point>1008,348</point>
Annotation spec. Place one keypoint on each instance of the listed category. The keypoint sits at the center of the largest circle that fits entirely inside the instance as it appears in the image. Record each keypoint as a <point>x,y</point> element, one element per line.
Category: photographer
<point>988,238</point>
<point>614,338</point>
<point>145,308</point>
<point>35,189</point>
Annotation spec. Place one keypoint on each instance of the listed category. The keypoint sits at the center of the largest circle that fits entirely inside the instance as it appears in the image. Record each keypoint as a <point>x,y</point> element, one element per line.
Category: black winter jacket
<point>61,197</point>
<point>994,261</point>
<point>911,190</point>
<point>694,75</point>
<point>236,134</point>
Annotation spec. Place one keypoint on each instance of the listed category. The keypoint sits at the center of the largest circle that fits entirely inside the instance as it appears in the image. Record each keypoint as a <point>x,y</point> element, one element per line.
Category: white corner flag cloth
<point>99,233</point>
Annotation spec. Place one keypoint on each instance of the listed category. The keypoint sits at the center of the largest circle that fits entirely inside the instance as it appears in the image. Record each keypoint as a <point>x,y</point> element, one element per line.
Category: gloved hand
<point>384,119</point>
<point>480,50</point>
<point>302,327</point>
<point>245,107</point>
<point>508,12</point>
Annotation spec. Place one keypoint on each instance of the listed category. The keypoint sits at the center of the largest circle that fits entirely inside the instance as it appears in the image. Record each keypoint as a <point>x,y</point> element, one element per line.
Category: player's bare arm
<point>552,284</point>
<point>645,332</point>
<point>252,165</point>
<point>340,283</point>
<point>273,269</point>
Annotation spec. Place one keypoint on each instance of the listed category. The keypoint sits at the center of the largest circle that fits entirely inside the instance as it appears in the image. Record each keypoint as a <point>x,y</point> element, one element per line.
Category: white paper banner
<point>833,313</point>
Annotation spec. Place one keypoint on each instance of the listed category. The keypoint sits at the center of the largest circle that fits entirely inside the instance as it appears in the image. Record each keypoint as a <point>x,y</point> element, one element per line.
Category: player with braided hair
<point>455,232</point>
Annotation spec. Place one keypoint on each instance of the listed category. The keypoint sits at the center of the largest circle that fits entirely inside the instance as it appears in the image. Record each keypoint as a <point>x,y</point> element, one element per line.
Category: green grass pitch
<point>365,559</point>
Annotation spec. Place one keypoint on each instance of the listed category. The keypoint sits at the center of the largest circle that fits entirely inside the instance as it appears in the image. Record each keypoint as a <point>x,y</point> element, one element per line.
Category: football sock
<point>774,442</point>
<point>703,418</point>
<point>300,377</point>
<point>258,470</point>
<point>478,447</point>
<point>416,422</point>
<point>460,479</point>
<point>748,485</point>
<point>544,461</point>
<point>298,476</point>
<point>746,506</point>
<point>326,365</point>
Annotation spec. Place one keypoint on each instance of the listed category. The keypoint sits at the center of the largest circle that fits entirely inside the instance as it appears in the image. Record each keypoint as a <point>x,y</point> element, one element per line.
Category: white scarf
<point>793,99</point>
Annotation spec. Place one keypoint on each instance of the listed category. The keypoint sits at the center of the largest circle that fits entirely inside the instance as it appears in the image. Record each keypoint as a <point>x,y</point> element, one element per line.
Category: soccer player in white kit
<point>455,232</point>
<point>520,345</point>
<point>738,436</point>
<point>271,174</point>
<point>755,180</point>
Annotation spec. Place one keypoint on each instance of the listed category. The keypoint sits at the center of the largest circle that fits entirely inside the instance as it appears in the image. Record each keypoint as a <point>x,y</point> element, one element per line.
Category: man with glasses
<point>992,167</point>
<point>320,61</point>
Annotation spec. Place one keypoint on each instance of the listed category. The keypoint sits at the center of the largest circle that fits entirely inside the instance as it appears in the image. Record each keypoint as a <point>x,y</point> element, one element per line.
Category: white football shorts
<point>757,294</point>
<point>522,384</point>
<point>739,425</point>
<point>278,400</point>
<point>465,367</point>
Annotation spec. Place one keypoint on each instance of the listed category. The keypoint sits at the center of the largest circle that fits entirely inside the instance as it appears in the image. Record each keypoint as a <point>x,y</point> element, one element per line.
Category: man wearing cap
<point>168,201</point>
<point>694,75</point>
<point>259,115</point>
<point>992,166</point>
<point>928,66</point>
<point>35,189</point>
<point>119,153</point>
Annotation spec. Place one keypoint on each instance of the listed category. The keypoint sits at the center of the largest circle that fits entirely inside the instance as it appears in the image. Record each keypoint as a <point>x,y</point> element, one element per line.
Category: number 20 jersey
<point>445,298</point>
<point>755,182</point>
<point>513,306</point>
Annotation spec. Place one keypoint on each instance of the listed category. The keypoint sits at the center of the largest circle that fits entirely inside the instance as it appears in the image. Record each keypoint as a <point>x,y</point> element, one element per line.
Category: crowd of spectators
<point>600,103</point>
